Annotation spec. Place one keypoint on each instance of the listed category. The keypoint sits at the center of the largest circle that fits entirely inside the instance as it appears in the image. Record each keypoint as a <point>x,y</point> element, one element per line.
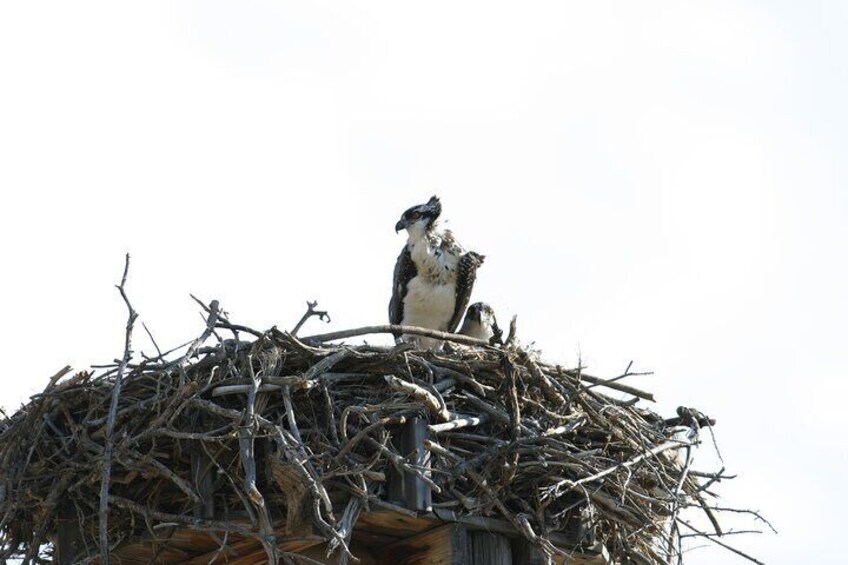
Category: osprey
<point>434,275</point>
<point>480,323</point>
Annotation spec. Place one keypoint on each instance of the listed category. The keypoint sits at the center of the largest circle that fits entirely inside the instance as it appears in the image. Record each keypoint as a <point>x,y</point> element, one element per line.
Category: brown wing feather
<point>466,274</point>
<point>404,272</point>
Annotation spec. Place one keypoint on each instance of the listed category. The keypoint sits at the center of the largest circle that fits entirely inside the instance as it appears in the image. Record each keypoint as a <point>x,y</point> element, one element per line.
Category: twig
<point>730,533</point>
<point>626,465</point>
<point>152,340</point>
<point>248,462</point>
<point>457,422</point>
<point>211,322</point>
<point>753,513</point>
<point>311,311</point>
<point>609,383</point>
<point>438,409</point>
<point>189,522</point>
<point>676,503</point>
<point>55,378</point>
<point>110,421</point>
<point>717,542</point>
<point>513,324</point>
<point>246,437</point>
<point>345,526</point>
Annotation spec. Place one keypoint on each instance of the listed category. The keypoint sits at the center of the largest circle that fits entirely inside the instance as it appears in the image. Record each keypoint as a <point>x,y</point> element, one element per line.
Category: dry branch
<point>106,476</point>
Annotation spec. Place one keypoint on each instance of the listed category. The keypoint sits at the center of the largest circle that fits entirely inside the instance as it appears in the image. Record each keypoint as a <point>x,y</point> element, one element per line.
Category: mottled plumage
<point>434,275</point>
<point>480,323</point>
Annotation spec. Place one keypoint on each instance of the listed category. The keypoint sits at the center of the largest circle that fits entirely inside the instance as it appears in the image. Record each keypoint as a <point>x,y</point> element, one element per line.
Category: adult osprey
<point>434,275</point>
<point>480,322</point>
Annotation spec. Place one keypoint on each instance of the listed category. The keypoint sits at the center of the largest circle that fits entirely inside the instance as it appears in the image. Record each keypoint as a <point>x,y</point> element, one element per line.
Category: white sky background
<point>656,181</point>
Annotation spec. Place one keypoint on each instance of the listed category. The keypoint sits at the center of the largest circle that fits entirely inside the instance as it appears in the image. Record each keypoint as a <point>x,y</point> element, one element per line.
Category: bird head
<point>481,313</point>
<point>420,218</point>
<point>483,316</point>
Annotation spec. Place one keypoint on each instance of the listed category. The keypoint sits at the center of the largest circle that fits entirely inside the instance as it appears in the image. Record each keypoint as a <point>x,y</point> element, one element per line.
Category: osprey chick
<point>480,323</point>
<point>434,275</point>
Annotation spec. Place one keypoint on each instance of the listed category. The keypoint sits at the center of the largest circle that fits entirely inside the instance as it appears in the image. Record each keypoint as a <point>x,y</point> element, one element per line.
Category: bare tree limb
<point>392,329</point>
<point>706,536</point>
<point>311,311</point>
<point>211,321</point>
<point>110,421</point>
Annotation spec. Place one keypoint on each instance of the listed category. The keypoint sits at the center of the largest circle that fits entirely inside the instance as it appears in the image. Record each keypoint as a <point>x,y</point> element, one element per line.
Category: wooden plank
<point>243,549</point>
<point>395,524</point>
<point>488,548</point>
<point>184,539</point>
<point>527,554</point>
<point>407,488</point>
<point>445,545</point>
<point>319,554</point>
<point>372,539</point>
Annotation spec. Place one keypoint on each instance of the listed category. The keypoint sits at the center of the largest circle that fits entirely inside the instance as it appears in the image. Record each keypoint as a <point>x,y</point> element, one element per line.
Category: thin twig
<point>211,321</point>
<point>152,340</point>
<point>110,421</point>
<point>717,542</point>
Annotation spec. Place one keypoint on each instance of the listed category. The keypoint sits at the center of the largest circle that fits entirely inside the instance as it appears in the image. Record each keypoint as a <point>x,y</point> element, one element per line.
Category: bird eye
<point>415,215</point>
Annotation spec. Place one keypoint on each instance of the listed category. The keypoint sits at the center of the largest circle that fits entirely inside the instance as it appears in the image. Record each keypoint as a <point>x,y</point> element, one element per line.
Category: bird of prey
<point>480,323</point>
<point>433,276</point>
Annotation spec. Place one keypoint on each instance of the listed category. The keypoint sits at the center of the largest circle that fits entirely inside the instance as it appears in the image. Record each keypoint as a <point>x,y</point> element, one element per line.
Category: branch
<point>430,400</point>
<point>393,329</point>
<point>211,321</point>
<point>609,383</point>
<point>110,421</point>
<point>704,535</point>
<point>512,331</point>
<point>311,311</point>
<point>625,465</point>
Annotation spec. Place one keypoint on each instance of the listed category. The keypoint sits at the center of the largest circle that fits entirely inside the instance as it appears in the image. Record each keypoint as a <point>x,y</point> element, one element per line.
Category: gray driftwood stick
<point>608,383</point>
<point>106,477</point>
<point>458,422</point>
<point>391,329</point>
<point>425,396</point>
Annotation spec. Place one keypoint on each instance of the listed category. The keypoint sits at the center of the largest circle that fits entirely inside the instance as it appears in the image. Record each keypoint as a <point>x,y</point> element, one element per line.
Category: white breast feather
<point>428,305</point>
<point>431,295</point>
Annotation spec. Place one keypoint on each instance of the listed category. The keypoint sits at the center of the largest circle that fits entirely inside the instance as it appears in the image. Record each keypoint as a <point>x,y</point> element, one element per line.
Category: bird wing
<point>405,270</point>
<point>466,274</point>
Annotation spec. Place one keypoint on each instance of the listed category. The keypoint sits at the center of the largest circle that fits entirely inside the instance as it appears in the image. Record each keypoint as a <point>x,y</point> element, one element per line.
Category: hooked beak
<point>400,225</point>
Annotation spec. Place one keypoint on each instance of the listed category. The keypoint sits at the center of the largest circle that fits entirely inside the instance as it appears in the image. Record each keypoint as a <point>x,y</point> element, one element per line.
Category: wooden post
<point>526,553</point>
<point>70,543</point>
<point>488,548</point>
<point>406,488</point>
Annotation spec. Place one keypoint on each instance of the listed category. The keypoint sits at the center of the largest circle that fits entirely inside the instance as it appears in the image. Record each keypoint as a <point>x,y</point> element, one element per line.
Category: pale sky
<point>656,181</point>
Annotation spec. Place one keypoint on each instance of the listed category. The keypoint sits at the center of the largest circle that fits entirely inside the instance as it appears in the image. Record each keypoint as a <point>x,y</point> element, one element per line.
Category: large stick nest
<point>300,430</point>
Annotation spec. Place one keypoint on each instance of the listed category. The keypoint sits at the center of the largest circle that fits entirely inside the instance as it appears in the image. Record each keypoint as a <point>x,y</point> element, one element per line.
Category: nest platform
<point>267,447</point>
